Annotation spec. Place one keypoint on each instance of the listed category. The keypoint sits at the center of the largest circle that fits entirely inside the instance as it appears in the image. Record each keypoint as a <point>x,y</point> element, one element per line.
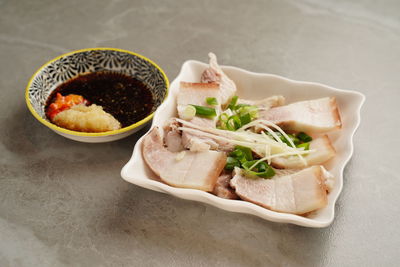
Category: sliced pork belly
<point>214,74</point>
<point>198,170</point>
<point>313,116</point>
<point>329,179</point>
<point>173,137</point>
<point>197,143</point>
<point>297,193</point>
<point>196,94</point>
<point>222,187</point>
<point>216,140</point>
<point>324,151</point>
<point>204,140</point>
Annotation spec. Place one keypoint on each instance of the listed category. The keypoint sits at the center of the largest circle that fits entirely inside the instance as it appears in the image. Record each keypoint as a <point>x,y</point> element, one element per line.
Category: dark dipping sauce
<point>127,99</point>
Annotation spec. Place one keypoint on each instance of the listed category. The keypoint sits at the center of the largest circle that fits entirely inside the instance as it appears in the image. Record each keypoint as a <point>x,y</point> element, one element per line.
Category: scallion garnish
<point>306,146</point>
<point>233,123</point>
<point>233,102</point>
<point>237,115</point>
<point>242,157</point>
<point>189,112</point>
<point>292,137</point>
<point>205,111</point>
<point>242,106</point>
<point>212,101</point>
<point>262,169</point>
<point>242,153</point>
<point>245,119</point>
<point>304,137</point>
<point>231,163</point>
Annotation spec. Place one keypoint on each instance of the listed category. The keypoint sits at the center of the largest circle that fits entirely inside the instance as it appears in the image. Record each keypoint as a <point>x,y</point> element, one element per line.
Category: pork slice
<point>197,170</point>
<point>173,137</point>
<point>297,193</point>
<point>324,151</point>
<point>214,74</point>
<point>222,187</point>
<point>312,116</point>
<point>196,94</point>
<point>195,142</point>
<point>198,140</point>
<point>329,179</point>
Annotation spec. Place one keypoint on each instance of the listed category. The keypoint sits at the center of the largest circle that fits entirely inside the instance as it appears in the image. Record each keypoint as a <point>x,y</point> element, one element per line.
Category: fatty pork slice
<point>222,187</point>
<point>172,136</point>
<point>214,74</point>
<point>297,193</point>
<point>196,94</point>
<point>213,141</point>
<point>197,170</point>
<point>323,151</point>
<point>312,116</point>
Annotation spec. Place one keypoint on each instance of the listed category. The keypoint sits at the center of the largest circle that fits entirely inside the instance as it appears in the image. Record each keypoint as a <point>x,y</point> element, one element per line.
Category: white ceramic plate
<point>256,86</point>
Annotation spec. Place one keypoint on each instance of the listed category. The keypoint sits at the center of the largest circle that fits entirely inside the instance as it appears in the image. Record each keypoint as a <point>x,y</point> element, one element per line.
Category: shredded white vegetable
<point>262,144</point>
<point>263,124</point>
<point>248,139</point>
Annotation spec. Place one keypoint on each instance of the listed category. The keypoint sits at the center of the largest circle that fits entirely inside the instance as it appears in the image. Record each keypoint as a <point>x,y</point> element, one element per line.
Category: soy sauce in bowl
<point>126,98</point>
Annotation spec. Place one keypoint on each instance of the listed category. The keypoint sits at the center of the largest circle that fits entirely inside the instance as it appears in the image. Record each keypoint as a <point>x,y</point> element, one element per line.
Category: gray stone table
<point>63,203</point>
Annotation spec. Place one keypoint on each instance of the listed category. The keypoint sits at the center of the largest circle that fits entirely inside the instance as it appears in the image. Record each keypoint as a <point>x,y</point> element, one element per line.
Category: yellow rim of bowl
<point>76,133</point>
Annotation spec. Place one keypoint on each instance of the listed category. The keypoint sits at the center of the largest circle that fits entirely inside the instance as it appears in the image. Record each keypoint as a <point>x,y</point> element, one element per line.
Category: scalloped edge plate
<point>256,86</point>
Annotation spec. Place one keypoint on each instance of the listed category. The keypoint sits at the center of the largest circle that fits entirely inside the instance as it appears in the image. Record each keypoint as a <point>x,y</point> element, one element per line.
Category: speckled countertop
<point>63,203</point>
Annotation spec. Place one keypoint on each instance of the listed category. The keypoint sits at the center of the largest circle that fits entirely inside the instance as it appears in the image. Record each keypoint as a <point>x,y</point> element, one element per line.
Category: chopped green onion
<point>242,152</point>
<point>237,153</point>
<point>238,106</point>
<point>247,152</point>
<point>294,139</point>
<point>224,117</point>
<point>262,169</point>
<point>212,101</point>
<point>231,163</point>
<point>189,112</point>
<point>243,109</point>
<point>233,102</point>
<point>245,119</point>
<point>253,111</point>
<point>233,123</point>
<point>205,111</point>
<point>304,137</point>
<point>248,165</point>
<point>240,114</point>
<point>306,146</point>
<point>242,157</point>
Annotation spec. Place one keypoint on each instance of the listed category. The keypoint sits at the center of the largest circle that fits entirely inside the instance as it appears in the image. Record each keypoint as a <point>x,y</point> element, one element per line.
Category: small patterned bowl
<point>67,66</point>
